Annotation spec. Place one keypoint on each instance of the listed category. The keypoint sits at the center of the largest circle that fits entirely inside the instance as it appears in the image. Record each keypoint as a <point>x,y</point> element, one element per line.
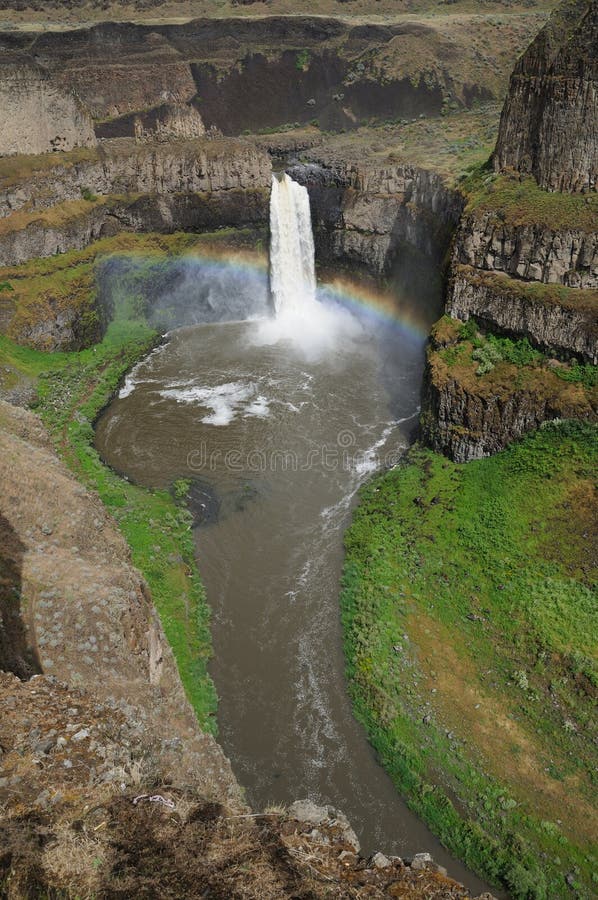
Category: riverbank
<point>72,389</point>
<point>468,619</point>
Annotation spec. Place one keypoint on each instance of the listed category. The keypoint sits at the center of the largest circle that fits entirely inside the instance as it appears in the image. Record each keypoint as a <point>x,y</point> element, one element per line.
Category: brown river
<point>277,425</point>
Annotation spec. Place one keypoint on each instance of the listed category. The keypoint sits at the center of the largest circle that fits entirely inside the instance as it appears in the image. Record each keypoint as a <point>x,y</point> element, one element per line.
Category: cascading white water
<point>292,266</point>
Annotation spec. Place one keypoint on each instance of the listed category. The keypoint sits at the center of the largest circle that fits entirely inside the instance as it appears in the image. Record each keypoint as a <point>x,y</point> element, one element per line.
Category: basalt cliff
<point>524,261</point>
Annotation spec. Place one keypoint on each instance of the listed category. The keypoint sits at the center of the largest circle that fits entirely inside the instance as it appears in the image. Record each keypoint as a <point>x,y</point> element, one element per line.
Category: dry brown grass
<point>513,754</point>
<point>75,862</point>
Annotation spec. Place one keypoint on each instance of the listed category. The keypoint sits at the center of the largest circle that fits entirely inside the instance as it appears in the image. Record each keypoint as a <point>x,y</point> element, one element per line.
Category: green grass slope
<point>470,619</point>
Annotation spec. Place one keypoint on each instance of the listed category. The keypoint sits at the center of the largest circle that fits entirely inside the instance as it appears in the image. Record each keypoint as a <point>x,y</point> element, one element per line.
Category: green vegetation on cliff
<point>470,629</point>
<point>518,200</point>
<point>511,364</point>
<point>73,388</point>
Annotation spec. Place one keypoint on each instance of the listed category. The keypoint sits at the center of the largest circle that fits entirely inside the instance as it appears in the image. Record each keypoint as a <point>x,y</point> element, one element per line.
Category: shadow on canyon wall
<point>16,653</point>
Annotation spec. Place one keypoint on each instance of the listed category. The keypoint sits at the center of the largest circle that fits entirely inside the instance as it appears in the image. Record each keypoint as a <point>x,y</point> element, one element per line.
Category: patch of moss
<point>518,200</point>
<point>494,366</point>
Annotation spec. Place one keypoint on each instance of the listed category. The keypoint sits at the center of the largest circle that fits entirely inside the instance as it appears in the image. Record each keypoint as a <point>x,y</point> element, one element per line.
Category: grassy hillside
<point>470,622</point>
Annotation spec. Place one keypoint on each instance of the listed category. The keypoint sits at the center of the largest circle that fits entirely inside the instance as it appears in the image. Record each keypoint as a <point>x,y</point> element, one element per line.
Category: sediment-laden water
<point>277,422</point>
<point>278,426</point>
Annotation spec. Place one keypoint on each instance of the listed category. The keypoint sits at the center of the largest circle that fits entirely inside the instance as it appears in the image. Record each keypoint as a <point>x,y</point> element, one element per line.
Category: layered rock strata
<point>548,125</point>
<point>363,213</point>
<point>124,167</point>
<point>532,252</point>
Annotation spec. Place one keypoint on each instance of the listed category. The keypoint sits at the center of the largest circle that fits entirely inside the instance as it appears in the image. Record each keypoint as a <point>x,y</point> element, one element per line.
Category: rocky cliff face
<point>87,621</point>
<point>267,71</point>
<point>364,212</point>
<point>525,257</point>
<point>467,415</point>
<point>125,167</point>
<point>76,225</point>
<point>561,322</point>
<point>190,185</point>
<point>548,125</point>
<point>38,115</point>
<point>531,252</point>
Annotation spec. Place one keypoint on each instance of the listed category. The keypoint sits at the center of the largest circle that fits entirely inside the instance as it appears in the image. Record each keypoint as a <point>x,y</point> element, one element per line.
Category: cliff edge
<point>549,124</point>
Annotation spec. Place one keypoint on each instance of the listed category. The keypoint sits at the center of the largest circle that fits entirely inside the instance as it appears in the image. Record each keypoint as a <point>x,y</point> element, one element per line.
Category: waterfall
<point>292,267</point>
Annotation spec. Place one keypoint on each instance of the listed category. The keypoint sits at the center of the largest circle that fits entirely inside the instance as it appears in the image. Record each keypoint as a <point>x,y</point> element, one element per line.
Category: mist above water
<point>300,320</point>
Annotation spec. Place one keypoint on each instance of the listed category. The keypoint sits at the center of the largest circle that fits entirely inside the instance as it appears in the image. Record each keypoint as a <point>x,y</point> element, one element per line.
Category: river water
<point>278,424</point>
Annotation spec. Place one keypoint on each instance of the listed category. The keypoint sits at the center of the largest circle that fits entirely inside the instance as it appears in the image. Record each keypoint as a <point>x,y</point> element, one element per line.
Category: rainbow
<point>375,304</point>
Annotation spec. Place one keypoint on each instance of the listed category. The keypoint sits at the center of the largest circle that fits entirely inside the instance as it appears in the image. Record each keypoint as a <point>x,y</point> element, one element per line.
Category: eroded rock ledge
<point>560,321</point>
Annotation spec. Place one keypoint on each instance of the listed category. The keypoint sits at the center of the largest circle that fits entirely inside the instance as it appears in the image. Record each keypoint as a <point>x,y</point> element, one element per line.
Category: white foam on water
<point>133,378</point>
<point>259,408</point>
<point>224,401</point>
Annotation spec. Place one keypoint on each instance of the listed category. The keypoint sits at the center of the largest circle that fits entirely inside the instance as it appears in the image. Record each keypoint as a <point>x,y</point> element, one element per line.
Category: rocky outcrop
<point>467,417</point>
<point>186,185</point>
<point>561,322</point>
<point>38,115</point>
<point>90,622</point>
<point>178,121</point>
<point>528,251</point>
<point>525,262</point>
<point>126,167</point>
<point>364,212</point>
<point>548,124</point>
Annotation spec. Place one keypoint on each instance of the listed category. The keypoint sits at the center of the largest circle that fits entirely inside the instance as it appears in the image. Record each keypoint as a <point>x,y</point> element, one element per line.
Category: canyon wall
<point>525,257</point>
<point>467,415</point>
<point>364,212</point>
<point>123,185</point>
<point>548,125</point>
<point>38,115</point>
<point>263,72</point>
<point>558,322</point>
<point>124,167</point>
